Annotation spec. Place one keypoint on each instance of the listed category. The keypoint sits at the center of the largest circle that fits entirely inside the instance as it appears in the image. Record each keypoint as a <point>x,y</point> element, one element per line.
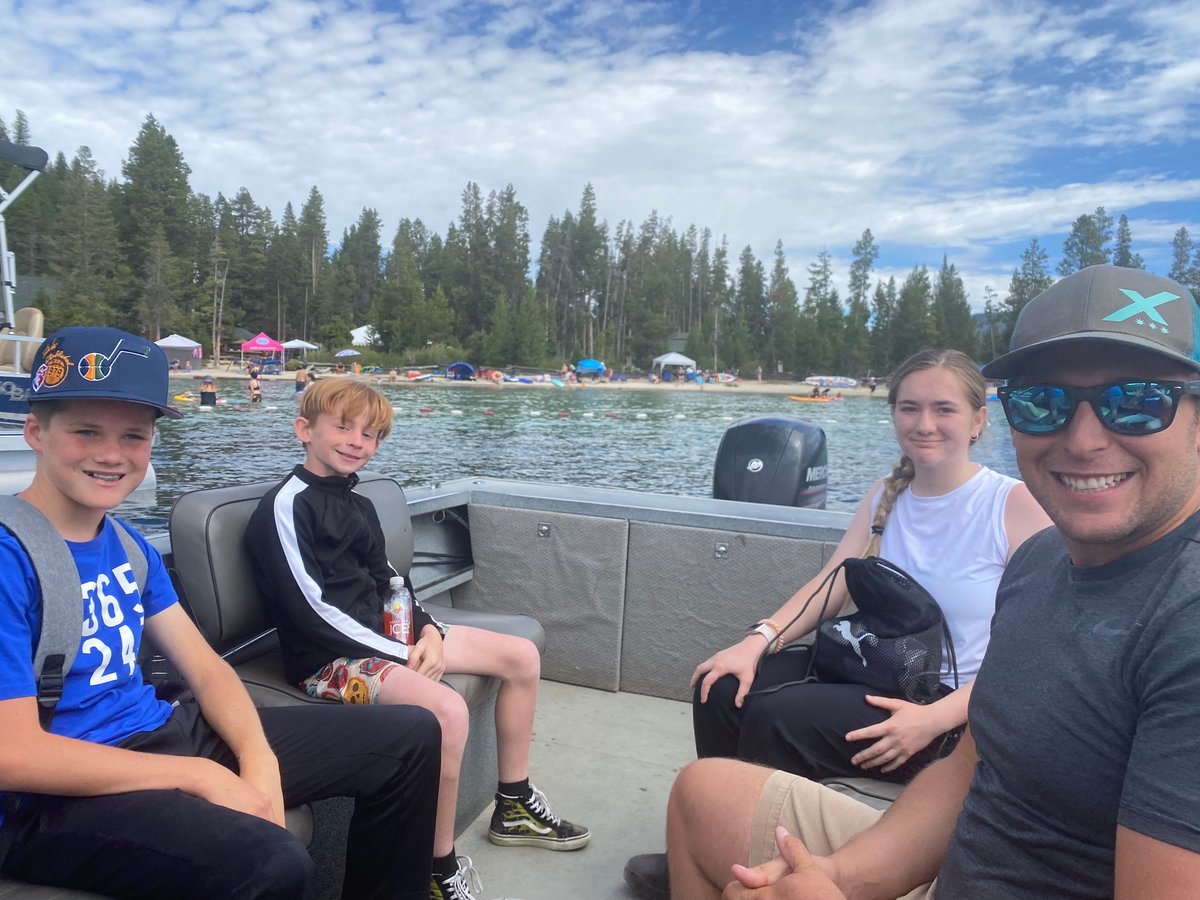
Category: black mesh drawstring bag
<point>893,643</point>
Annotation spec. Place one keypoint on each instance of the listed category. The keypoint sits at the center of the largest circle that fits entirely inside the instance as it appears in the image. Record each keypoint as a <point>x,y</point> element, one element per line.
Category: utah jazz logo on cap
<point>97,366</point>
<point>1144,308</point>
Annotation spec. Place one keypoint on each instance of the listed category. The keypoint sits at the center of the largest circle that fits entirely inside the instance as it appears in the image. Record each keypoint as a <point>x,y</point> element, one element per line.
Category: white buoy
<point>456,412</point>
<point>588,415</point>
<point>680,416</point>
<point>640,416</point>
<point>535,412</point>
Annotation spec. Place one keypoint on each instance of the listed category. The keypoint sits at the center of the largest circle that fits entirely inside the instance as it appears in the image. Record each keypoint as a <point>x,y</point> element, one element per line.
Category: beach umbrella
<point>348,352</point>
<point>589,366</point>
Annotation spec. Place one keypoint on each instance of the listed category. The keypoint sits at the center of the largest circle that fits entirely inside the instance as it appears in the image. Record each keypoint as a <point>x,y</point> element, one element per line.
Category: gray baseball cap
<point>1111,304</point>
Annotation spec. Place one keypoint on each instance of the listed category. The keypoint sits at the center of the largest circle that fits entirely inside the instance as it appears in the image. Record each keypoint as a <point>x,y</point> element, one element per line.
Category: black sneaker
<point>647,876</point>
<point>464,884</point>
<point>529,822</point>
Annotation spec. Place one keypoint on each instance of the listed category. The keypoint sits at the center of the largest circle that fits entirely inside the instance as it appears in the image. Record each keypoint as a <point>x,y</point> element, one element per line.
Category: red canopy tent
<point>262,343</point>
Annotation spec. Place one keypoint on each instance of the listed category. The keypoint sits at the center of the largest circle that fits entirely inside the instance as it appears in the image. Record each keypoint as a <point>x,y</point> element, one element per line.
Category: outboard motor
<point>772,459</point>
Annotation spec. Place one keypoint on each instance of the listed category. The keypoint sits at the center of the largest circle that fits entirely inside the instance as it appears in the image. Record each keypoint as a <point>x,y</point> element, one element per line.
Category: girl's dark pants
<point>168,844</point>
<point>796,727</point>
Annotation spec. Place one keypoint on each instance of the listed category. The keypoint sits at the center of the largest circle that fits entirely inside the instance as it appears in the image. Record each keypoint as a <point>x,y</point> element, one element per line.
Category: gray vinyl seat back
<point>213,566</point>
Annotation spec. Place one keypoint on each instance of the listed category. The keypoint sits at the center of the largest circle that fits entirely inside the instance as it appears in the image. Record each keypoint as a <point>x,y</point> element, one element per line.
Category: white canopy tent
<point>302,346</point>
<point>673,359</point>
<point>179,349</point>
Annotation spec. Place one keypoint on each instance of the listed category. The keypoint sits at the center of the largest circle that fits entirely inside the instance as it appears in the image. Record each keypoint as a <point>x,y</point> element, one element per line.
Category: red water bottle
<point>398,612</point>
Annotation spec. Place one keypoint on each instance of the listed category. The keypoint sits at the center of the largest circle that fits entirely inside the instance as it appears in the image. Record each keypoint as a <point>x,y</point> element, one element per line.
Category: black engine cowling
<point>772,459</point>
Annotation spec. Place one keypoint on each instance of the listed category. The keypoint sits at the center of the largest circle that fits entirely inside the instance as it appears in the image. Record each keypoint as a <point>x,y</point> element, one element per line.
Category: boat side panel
<point>692,591</point>
<point>567,571</point>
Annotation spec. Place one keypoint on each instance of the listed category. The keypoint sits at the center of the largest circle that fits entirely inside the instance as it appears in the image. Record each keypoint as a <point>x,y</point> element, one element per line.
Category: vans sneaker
<point>464,884</point>
<point>529,822</point>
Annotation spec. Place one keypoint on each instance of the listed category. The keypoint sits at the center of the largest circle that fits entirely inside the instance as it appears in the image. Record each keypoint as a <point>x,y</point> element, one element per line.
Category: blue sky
<point>958,127</point>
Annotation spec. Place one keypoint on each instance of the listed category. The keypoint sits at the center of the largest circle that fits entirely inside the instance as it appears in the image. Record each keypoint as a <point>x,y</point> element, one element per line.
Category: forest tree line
<point>147,253</point>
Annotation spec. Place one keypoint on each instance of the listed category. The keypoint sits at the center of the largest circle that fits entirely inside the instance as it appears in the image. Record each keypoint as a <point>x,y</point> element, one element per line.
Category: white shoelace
<point>540,805</point>
<point>466,882</point>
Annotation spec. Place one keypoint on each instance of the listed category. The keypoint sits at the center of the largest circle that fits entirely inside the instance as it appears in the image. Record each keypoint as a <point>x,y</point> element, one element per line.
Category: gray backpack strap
<point>137,556</point>
<point>62,611</point>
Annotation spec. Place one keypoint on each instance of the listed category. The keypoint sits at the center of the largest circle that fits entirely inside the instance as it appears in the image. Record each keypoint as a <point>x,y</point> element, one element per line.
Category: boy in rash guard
<point>127,795</point>
<point>321,563</point>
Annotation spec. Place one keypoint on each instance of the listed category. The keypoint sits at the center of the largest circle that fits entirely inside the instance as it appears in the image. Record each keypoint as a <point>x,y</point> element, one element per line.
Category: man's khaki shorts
<point>822,818</point>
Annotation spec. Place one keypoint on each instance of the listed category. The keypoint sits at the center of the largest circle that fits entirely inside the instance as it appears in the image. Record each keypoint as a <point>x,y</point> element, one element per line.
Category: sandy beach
<point>791,388</point>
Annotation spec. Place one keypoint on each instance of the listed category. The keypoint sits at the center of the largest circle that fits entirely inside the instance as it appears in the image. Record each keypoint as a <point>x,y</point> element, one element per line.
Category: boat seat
<point>27,322</point>
<point>871,791</point>
<point>214,572</point>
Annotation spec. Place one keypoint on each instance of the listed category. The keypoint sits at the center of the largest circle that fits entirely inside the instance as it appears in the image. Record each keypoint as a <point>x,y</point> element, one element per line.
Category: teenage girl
<point>950,523</point>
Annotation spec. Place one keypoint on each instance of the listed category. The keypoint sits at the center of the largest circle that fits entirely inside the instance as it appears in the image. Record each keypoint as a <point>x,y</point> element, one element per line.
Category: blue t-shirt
<point>104,699</point>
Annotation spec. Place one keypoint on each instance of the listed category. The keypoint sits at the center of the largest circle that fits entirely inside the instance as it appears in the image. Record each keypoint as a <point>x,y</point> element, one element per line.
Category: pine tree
<point>160,285</point>
<point>783,317</point>
<point>85,254</point>
<point>912,325</point>
<point>1087,244</point>
<point>882,339</point>
<point>314,244</point>
<point>857,348</point>
<point>155,194</point>
<point>952,312</point>
<point>1123,254</point>
<point>1028,280</point>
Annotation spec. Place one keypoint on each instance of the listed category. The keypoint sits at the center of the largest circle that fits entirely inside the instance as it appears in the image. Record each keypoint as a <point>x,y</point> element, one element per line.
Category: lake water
<point>655,440</point>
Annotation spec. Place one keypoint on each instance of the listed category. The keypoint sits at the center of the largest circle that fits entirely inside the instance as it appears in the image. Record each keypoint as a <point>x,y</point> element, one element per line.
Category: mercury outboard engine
<point>772,459</point>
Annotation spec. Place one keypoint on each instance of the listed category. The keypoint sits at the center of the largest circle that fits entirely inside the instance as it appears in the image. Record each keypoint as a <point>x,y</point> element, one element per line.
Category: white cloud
<point>943,125</point>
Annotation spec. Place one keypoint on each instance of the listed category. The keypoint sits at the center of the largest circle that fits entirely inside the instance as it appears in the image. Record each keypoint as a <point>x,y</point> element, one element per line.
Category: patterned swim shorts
<point>352,681</point>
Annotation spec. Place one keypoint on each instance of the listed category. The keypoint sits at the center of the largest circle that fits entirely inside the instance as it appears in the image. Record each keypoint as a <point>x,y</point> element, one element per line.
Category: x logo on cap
<point>1141,304</point>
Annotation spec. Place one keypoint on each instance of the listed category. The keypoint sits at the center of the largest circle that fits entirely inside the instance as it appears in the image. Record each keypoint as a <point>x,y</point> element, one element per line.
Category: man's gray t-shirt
<point>1086,714</point>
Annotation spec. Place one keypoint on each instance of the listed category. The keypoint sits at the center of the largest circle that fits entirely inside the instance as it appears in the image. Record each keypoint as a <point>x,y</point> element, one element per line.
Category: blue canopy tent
<point>590,367</point>
<point>461,371</point>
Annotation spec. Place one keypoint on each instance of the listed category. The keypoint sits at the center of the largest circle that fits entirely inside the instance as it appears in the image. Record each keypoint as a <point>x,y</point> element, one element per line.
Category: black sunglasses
<point>1126,407</point>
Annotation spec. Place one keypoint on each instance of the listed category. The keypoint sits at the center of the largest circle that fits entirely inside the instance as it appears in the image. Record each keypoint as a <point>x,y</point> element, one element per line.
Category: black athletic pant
<point>168,844</point>
<point>797,727</point>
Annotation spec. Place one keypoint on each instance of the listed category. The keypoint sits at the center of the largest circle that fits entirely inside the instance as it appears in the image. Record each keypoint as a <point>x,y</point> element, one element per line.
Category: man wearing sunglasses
<point>1078,773</point>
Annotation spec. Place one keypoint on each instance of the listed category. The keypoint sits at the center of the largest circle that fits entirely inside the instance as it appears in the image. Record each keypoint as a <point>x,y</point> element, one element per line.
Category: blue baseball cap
<point>80,363</point>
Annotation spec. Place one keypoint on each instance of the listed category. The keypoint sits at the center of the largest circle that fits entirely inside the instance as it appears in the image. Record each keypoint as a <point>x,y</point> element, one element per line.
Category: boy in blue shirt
<point>127,795</point>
